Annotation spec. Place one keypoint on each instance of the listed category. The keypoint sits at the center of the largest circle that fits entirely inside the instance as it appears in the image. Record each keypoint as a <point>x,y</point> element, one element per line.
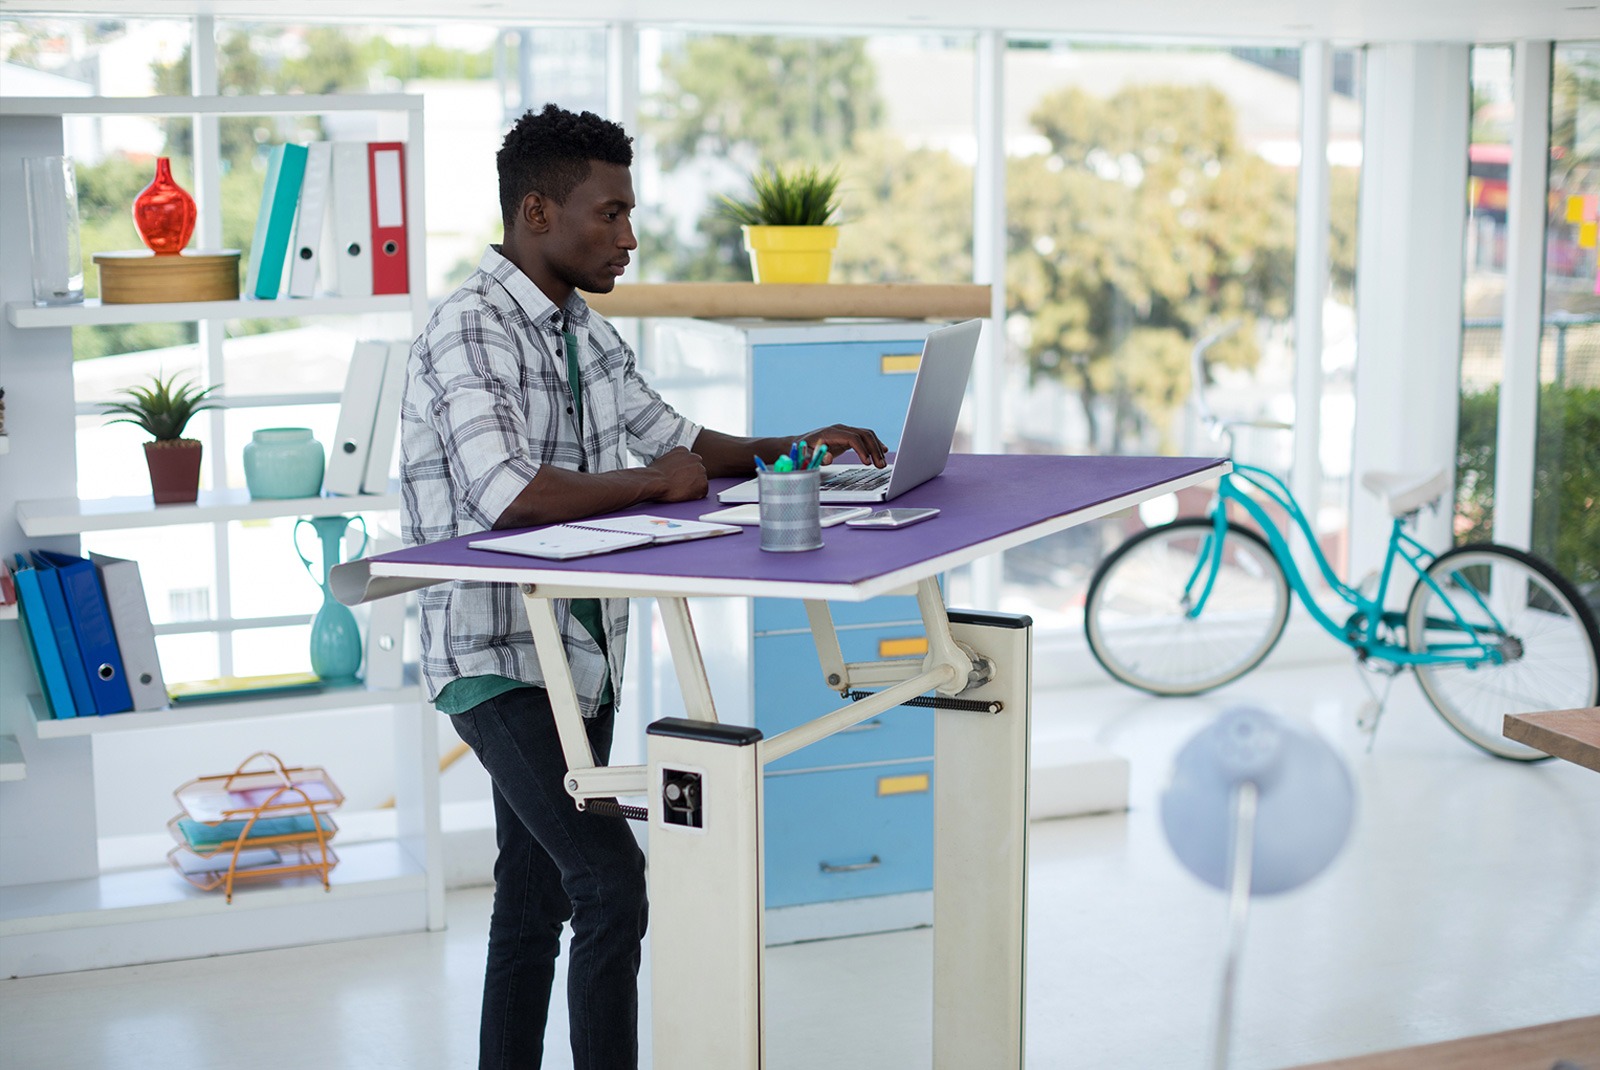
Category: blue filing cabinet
<point>852,816</point>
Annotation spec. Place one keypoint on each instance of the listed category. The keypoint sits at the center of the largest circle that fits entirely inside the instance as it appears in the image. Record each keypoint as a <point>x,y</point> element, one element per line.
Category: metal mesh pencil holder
<point>791,509</point>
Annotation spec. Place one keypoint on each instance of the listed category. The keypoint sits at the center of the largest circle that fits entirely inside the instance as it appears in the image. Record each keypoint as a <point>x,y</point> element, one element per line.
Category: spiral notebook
<point>585,538</point>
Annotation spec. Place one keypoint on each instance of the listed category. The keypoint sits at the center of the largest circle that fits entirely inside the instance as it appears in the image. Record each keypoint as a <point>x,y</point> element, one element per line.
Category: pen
<point>794,457</point>
<point>760,467</point>
<point>783,464</point>
<point>816,458</point>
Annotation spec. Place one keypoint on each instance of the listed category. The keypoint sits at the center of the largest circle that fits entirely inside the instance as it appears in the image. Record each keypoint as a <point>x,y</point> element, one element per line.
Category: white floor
<point>1467,901</point>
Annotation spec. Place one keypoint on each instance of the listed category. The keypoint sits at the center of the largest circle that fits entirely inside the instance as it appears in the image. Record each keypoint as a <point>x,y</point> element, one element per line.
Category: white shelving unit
<point>58,912</point>
<point>92,313</point>
<point>74,516</point>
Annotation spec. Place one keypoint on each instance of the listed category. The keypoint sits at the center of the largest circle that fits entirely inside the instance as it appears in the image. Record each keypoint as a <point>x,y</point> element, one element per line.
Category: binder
<point>386,426</point>
<point>285,168</point>
<point>386,162</point>
<point>386,629</point>
<point>352,438</point>
<point>350,228</point>
<point>136,638</point>
<point>66,643</point>
<point>91,623</point>
<point>308,220</point>
<point>40,640</point>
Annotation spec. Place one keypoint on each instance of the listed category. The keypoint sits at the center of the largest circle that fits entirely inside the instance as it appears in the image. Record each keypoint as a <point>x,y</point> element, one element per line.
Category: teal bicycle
<point>1489,630</point>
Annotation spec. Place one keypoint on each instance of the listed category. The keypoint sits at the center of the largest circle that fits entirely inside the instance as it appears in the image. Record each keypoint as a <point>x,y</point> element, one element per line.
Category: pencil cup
<point>791,510</point>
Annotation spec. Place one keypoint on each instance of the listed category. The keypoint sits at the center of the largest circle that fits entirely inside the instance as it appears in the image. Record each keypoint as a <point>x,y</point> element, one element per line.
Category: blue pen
<point>759,466</point>
<point>794,456</point>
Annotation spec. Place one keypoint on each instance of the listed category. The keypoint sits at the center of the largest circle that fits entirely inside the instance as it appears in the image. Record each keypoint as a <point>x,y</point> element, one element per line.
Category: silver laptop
<point>924,441</point>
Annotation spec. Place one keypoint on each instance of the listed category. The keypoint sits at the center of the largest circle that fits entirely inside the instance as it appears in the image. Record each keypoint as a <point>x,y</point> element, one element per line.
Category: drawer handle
<point>899,363</point>
<point>911,646</point>
<point>864,726</point>
<point>876,861</point>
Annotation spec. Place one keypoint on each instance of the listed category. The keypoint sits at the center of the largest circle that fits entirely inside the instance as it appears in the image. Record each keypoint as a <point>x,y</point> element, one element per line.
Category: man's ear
<point>536,210</point>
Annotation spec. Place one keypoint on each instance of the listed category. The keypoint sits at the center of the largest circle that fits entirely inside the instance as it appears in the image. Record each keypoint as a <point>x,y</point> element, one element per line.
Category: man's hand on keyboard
<point>839,438</point>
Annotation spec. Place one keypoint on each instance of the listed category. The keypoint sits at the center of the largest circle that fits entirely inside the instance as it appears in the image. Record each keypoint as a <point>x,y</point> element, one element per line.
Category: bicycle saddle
<point>1406,492</point>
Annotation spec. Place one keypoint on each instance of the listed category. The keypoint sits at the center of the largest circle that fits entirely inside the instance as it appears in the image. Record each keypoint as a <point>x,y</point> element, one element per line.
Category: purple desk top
<point>981,498</point>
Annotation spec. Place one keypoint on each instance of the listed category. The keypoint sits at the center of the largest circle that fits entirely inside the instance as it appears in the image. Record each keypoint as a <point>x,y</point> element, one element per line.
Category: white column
<point>1310,283</point>
<point>622,75</point>
<point>208,200</point>
<point>989,266</point>
<point>1413,218</point>
<point>1524,300</point>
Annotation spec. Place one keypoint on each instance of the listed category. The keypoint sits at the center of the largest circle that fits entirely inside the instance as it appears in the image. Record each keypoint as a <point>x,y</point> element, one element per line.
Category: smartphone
<point>893,518</point>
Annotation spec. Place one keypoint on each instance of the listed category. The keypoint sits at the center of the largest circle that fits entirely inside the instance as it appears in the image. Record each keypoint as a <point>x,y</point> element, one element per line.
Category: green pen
<point>816,458</point>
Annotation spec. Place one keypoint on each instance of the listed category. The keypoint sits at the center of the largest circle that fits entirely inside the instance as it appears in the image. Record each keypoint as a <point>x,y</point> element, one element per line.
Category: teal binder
<point>275,221</point>
<point>40,640</point>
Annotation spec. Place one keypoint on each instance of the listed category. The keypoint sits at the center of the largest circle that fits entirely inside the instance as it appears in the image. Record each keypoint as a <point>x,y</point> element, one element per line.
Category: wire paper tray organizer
<point>255,824</point>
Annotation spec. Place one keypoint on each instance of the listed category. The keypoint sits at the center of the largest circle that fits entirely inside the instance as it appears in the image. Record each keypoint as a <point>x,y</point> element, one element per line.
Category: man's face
<point>589,237</point>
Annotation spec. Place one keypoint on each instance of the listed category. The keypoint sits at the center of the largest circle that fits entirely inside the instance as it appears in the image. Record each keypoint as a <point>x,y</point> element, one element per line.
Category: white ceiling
<point>1272,20</point>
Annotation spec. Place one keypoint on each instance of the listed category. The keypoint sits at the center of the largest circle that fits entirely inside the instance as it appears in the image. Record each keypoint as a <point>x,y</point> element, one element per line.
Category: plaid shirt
<point>486,403</point>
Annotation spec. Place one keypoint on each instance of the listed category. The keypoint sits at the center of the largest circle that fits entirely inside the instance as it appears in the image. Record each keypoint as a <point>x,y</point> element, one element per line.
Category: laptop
<point>925,440</point>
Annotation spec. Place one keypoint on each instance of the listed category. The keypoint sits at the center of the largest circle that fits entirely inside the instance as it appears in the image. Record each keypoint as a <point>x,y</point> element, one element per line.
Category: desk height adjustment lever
<point>939,702</point>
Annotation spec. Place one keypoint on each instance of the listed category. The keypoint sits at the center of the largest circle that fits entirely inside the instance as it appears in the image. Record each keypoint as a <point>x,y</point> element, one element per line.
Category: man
<point>521,408</point>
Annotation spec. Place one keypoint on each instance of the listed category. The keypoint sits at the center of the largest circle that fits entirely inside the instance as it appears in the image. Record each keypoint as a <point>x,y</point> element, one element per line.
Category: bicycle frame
<point>1369,611</point>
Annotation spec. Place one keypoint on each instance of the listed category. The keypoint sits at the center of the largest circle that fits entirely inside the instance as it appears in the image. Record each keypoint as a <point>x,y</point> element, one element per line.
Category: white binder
<point>352,440</point>
<point>351,225</point>
<point>386,629</point>
<point>305,252</point>
<point>130,621</point>
<point>386,427</point>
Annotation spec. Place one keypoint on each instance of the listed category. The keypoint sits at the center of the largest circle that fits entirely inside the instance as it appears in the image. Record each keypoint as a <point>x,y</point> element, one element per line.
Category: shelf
<point>159,894</point>
<point>792,301</point>
<point>8,612</point>
<point>73,516</point>
<point>12,766</point>
<point>335,698</point>
<point>288,104</point>
<point>92,313</point>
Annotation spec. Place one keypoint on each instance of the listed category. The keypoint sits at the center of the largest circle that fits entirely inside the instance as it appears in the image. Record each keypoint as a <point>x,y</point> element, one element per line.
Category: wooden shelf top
<point>1570,734</point>
<point>787,301</point>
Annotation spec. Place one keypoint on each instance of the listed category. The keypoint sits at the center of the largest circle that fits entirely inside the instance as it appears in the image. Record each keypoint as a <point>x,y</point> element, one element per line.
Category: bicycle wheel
<point>1516,604</point>
<point>1137,611</point>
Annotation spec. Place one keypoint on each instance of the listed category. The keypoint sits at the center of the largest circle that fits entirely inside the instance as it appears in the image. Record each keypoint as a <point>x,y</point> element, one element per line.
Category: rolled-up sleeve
<point>653,427</point>
<point>474,399</point>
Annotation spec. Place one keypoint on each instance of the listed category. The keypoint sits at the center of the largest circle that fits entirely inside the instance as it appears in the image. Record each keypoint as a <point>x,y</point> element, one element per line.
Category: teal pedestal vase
<point>335,638</point>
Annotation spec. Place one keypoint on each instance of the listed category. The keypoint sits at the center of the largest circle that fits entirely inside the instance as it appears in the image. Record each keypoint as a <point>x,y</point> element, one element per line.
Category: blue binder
<point>91,623</point>
<point>41,643</point>
<point>59,622</point>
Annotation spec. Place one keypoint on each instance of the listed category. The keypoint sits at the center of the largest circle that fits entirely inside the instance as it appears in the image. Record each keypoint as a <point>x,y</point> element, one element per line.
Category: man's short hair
<point>549,153</point>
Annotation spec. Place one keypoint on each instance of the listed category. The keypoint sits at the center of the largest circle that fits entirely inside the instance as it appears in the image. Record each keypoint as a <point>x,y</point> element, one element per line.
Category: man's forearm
<point>725,455</point>
<point>556,495</point>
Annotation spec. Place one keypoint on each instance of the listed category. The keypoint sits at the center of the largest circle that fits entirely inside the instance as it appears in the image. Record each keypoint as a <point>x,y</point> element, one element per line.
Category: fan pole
<point>1245,796</point>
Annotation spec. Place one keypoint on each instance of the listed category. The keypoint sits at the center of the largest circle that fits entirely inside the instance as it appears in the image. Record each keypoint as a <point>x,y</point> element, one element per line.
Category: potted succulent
<point>164,410</point>
<point>788,223</point>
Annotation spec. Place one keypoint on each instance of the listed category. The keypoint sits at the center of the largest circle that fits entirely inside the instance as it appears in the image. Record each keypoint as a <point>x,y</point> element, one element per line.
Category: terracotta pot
<point>174,470</point>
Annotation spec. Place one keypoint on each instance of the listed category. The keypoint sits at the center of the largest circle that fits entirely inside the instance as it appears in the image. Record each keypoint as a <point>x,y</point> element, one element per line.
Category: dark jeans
<point>556,863</point>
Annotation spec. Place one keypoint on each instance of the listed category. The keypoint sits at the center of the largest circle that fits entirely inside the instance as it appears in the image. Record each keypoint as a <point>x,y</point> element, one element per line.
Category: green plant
<point>163,409</point>
<point>804,197</point>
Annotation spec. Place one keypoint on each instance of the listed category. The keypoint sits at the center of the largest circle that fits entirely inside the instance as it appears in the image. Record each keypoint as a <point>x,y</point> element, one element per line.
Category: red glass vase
<point>164,213</point>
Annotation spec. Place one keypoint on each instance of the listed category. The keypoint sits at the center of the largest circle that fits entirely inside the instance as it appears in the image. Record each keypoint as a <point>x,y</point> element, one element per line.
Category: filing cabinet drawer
<point>789,690</point>
<point>787,614</point>
<point>796,387</point>
<point>841,834</point>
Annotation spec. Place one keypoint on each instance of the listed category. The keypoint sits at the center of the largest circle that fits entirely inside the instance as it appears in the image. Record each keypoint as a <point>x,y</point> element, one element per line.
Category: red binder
<point>386,164</point>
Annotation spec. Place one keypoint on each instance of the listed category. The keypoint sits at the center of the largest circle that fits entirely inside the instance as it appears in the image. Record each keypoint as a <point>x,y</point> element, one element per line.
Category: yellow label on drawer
<point>915,645</point>
<point>899,363</point>
<point>903,785</point>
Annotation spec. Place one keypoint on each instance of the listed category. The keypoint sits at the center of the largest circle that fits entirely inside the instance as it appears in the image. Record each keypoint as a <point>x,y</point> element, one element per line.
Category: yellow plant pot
<point>791,254</point>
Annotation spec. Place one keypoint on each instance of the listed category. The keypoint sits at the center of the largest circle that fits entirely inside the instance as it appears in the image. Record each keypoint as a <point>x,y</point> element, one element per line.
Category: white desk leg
<point>686,659</point>
<point>980,862</point>
<point>705,895</point>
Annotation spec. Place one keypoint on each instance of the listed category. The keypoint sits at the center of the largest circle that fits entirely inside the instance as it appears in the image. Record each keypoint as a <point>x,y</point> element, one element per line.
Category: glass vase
<point>164,213</point>
<point>52,187</point>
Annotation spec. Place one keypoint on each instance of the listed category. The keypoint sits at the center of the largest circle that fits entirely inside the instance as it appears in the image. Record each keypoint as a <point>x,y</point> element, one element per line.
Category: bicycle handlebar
<point>1217,426</point>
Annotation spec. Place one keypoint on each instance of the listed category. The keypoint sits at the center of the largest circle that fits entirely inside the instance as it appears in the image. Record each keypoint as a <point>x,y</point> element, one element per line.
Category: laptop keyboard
<point>860,479</point>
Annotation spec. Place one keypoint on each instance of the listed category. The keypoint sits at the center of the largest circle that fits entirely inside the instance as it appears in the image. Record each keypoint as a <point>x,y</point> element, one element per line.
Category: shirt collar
<point>540,309</point>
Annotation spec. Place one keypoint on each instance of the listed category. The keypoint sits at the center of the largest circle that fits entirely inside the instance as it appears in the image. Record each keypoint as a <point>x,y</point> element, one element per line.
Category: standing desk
<point>703,782</point>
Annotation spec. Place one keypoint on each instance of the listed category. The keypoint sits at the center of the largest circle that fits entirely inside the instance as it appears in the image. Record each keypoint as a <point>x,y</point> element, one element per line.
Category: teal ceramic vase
<point>335,638</point>
<point>283,462</point>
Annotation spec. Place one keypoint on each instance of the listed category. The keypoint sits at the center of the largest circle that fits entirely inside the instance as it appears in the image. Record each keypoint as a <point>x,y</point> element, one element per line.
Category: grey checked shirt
<point>486,404</point>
